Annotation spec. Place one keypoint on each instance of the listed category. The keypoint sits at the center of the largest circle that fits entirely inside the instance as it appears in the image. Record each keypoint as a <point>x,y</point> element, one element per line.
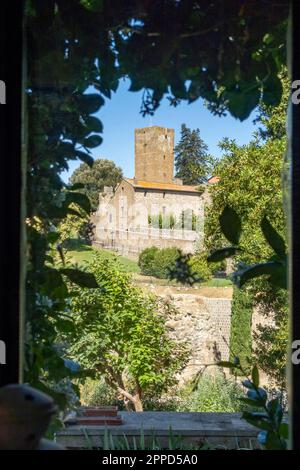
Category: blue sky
<point>120,116</point>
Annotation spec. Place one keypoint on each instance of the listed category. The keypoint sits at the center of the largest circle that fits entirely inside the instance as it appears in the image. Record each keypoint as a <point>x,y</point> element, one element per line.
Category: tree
<point>103,173</point>
<point>121,335</point>
<point>192,162</point>
<point>251,184</point>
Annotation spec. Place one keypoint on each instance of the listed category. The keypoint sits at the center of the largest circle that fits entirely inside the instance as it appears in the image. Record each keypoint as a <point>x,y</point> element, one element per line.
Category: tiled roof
<point>161,186</point>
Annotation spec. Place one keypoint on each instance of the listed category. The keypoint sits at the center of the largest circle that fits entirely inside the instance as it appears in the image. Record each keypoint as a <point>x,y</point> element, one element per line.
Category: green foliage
<point>211,393</point>
<point>73,45</point>
<point>120,335</point>
<point>187,220</point>
<point>103,173</point>
<point>251,185</point>
<point>241,326</point>
<point>158,262</point>
<point>146,260</point>
<point>81,254</point>
<point>267,284</point>
<point>162,221</point>
<point>201,267</point>
<point>164,260</point>
<point>75,225</point>
<point>272,119</point>
<point>214,393</point>
<point>135,443</point>
<point>98,393</point>
<point>269,418</point>
<point>192,162</point>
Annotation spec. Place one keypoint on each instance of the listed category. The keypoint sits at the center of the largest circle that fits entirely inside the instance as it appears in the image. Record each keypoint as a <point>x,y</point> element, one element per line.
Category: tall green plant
<point>192,162</point>
<point>121,336</point>
<point>241,325</point>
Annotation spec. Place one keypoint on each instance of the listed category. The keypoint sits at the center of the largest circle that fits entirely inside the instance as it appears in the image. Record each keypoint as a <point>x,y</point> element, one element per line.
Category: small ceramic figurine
<point>25,414</point>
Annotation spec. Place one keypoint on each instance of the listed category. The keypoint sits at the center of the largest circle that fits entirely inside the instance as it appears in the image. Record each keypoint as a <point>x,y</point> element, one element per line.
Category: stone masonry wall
<point>203,321</point>
<point>122,220</point>
<point>154,154</point>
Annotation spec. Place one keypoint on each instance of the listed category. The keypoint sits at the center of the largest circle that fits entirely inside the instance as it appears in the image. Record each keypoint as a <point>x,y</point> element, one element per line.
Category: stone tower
<point>154,154</point>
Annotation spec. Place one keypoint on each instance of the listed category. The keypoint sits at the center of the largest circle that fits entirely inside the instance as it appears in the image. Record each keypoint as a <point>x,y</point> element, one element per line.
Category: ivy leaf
<point>231,226</point>
<point>222,253</point>
<point>273,238</point>
<point>92,141</point>
<point>81,278</point>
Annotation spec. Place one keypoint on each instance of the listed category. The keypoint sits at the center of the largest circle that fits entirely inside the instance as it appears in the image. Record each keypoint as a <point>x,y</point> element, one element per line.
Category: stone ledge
<point>219,429</point>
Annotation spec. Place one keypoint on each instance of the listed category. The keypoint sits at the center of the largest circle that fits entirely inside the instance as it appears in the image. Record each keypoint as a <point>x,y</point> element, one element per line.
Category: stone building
<point>154,207</point>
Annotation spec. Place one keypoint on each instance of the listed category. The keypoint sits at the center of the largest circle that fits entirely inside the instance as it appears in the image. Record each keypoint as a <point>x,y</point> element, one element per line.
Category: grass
<point>84,253</point>
<point>80,254</point>
<point>217,282</point>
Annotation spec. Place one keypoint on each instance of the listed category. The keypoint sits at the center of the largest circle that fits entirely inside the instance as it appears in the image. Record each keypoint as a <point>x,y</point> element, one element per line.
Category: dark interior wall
<point>10,185</point>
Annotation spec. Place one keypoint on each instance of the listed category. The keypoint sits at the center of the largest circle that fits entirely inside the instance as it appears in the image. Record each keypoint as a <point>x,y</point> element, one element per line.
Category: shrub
<point>157,262</point>
<point>204,270</point>
<point>146,260</point>
<point>164,260</point>
<point>214,393</point>
<point>241,326</point>
<point>201,267</point>
<point>98,393</point>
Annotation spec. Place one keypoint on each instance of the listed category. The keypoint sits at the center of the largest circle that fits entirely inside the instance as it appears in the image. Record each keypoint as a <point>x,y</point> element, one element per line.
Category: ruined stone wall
<point>202,320</point>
